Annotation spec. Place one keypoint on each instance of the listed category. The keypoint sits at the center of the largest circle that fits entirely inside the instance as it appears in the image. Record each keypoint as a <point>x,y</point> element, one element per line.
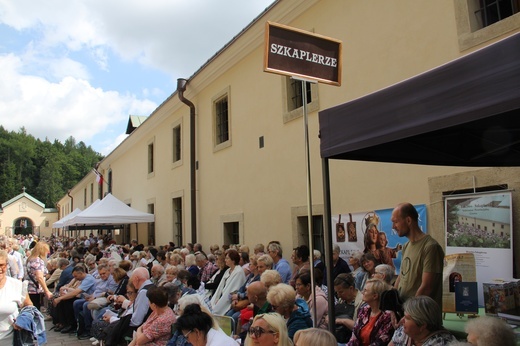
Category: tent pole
<point>327,240</point>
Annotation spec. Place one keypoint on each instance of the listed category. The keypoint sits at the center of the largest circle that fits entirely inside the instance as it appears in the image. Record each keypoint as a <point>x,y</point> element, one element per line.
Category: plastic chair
<point>226,323</point>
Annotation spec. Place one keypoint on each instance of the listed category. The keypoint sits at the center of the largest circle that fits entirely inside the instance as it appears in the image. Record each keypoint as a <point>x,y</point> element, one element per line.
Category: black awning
<point>463,113</point>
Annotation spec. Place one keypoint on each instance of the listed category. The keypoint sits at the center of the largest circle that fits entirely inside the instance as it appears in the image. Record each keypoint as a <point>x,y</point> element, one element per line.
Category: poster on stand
<point>357,231</point>
<point>458,268</point>
<point>481,224</point>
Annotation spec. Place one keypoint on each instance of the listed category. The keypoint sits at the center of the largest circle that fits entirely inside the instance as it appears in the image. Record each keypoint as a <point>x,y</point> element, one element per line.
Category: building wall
<point>264,189</point>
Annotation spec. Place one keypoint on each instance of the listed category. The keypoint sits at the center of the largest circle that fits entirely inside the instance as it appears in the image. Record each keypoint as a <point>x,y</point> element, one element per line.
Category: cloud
<point>110,144</point>
<point>175,36</point>
<point>58,56</point>
<point>70,107</point>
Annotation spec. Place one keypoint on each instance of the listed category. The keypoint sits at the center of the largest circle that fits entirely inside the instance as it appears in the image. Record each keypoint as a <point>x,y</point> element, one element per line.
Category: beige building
<point>250,169</point>
<point>24,214</point>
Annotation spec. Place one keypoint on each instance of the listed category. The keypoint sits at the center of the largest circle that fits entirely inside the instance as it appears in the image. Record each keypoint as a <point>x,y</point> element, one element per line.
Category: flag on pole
<point>99,176</point>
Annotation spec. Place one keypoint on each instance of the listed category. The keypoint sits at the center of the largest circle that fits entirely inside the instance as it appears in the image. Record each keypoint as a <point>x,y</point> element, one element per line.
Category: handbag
<point>343,310</point>
<point>97,303</point>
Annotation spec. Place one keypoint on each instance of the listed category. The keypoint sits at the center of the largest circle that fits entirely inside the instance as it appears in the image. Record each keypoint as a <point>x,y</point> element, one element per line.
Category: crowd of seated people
<point>166,295</point>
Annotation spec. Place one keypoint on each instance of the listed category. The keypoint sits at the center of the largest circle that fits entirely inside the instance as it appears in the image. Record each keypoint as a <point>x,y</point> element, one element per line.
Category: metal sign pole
<point>309,194</point>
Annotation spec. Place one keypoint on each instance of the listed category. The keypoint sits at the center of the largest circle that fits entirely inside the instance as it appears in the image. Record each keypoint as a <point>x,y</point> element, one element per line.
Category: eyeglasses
<point>258,331</point>
<point>188,333</point>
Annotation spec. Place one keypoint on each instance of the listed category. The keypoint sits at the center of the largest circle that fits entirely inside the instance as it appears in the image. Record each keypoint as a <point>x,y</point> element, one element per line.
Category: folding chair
<point>227,323</point>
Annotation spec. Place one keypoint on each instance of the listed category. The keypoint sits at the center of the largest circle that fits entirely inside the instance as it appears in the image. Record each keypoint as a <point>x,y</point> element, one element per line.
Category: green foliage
<point>46,169</point>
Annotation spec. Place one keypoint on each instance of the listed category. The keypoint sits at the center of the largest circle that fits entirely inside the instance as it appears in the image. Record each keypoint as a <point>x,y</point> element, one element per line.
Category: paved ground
<point>58,339</point>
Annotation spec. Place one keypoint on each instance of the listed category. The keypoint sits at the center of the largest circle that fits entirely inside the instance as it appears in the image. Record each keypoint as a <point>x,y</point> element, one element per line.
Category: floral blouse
<point>381,333</point>
<point>34,265</point>
<point>158,328</point>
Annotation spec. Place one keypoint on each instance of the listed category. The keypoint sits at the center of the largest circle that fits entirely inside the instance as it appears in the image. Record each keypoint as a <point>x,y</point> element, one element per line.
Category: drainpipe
<point>58,207</point>
<point>181,88</point>
<point>71,201</point>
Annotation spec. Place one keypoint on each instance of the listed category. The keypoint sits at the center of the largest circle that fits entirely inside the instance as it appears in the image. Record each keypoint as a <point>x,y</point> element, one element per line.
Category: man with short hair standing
<point>422,257</point>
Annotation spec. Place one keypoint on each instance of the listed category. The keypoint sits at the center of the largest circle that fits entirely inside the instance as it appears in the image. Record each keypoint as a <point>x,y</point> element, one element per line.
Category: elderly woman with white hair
<point>384,272</point>
<point>282,298</point>
<point>191,265</point>
<point>487,330</point>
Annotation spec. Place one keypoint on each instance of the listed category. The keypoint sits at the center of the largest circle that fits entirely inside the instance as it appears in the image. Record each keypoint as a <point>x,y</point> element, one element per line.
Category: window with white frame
<point>150,158</point>
<point>177,220</point>
<point>231,233</point>
<point>221,120</point>
<point>151,226</point>
<point>176,140</point>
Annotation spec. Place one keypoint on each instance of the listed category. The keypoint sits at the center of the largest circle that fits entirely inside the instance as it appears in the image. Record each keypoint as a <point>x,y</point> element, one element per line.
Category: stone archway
<point>23,225</point>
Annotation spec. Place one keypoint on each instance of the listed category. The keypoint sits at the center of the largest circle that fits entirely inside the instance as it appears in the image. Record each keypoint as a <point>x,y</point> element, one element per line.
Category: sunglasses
<point>258,331</point>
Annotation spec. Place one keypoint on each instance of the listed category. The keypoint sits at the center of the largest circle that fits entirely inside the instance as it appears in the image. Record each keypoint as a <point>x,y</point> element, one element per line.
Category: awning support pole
<point>327,241</point>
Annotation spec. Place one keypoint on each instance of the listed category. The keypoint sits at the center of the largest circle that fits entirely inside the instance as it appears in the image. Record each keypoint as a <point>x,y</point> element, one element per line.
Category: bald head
<point>257,293</point>
<point>139,276</point>
<point>408,210</point>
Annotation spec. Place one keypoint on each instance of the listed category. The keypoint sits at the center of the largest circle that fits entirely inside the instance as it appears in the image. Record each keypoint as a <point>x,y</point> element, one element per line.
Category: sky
<point>81,67</point>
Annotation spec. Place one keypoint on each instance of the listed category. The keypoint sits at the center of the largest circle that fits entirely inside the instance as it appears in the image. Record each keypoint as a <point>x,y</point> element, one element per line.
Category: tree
<point>9,182</point>
<point>47,169</point>
<point>50,188</point>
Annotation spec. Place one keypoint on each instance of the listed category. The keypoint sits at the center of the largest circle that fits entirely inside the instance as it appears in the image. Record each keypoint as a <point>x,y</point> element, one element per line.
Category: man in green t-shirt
<point>422,257</point>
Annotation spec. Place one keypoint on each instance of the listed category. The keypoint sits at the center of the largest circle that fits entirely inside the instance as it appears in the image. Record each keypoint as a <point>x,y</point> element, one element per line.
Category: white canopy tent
<point>109,211</point>
<point>61,222</point>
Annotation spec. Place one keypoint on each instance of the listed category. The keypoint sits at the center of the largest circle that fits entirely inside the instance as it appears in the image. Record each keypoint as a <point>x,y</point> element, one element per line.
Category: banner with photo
<point>372,229</point>
<point>481,224</point>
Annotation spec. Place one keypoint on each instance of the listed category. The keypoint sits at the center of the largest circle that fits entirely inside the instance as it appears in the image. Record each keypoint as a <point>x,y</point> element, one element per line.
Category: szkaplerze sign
<point>296,52</point>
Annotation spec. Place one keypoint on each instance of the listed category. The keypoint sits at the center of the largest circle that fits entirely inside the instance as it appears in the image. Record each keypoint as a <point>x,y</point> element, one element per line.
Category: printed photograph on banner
<point>371,231</point>
<point>481,224</point>
<point>479,221</point>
